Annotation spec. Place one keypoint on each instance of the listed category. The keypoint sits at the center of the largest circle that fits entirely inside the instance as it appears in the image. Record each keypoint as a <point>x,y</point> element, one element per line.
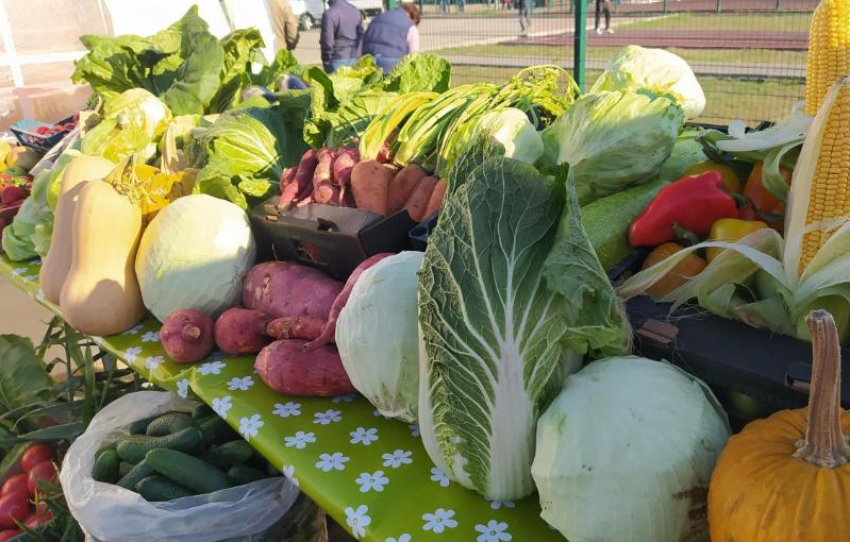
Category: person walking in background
<point>284,24</point>
<point>445,6</point>
<point>603,6</point>
<point>524,17</point>
<point>461,5</point>
<point>342,31</point>
<point>393,34</point>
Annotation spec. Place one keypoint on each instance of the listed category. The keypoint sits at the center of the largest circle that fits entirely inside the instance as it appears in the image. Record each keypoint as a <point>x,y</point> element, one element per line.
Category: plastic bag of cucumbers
<point>154,467</point>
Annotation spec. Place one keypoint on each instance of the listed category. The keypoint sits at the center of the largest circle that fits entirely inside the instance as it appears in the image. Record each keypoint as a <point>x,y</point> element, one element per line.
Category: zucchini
<point>168,424</point>
<point>216,431</point>
<point>105,467</point>
<point>139,427</point>
<point>240,475</point>
<point>188,471</point>
<point>229,454</point>
<point>202,411</point>
<point>134,448</point>
<point>138,473</point>
<point>158,489</point>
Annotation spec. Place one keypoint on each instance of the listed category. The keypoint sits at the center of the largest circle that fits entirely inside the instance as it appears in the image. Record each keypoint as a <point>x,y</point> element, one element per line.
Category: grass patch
<point>767,22</point>
<point>727,98</point>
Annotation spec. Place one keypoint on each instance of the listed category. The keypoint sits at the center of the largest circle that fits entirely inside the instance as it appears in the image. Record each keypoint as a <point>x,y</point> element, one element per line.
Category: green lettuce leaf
<point>419,72</point>
<point>23,376</point>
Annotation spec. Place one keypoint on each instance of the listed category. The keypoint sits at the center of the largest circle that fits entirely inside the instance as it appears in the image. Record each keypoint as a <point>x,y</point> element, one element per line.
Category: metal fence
<point>748,54</point>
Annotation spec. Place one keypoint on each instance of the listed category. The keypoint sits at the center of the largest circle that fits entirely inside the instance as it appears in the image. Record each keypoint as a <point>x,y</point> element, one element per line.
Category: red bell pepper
<point>692,203</point>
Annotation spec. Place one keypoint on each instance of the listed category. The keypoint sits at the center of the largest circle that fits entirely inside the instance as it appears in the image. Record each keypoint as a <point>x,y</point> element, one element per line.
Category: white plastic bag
<point>109,513</point>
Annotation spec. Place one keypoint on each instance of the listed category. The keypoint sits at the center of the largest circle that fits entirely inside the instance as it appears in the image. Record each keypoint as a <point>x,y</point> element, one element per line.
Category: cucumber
<point>139,427</point>
<point>168,424</point>
<point>229,454</point>
<point>240,475</point>
<point>105,467</point>
<point>134,448</point>
<point>187,470</point>
<point>202,411</point>
<point>124,469</point>
<point>158,488</point>
<point>606,221</point>
<point>216,431</point>
<point>138,473</point>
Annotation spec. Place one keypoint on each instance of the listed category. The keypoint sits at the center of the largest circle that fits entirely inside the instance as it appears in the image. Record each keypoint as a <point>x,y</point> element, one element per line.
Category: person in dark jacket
<point>392,35</point>
<point>342,30</point>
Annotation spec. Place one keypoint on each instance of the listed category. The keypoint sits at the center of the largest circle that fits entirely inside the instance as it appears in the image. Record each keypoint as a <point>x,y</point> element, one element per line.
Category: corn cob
<point>829,188</point>
<point>829,50</point>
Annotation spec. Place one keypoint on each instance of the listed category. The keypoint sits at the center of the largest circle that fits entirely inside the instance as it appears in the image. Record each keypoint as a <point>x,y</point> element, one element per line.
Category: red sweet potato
<point>323,189</point>
<point>417,204</point>
<point>242,331</point>
<point>187,335</point>
<point>288,289</point>
<point>305,328</point>
<point>370,184</point>
<point>436,199</point>
<point>301,182</point>
<point>402,186</point>
<point>286,368</point>
<point>329,332</point>
<point>342,166</point>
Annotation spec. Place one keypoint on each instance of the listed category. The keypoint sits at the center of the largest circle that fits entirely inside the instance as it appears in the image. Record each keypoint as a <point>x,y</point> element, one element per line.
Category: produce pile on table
<point>505,339</point>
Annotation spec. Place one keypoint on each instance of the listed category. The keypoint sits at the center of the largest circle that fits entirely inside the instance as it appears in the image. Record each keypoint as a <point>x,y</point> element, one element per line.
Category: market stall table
<point>371,474</point>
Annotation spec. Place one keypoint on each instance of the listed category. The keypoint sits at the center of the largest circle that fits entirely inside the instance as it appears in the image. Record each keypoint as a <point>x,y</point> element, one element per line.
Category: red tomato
<point>43,471</point>
<point>15,483</point>
<point>8,534</point>
<point>13,507</point>
<point>35,455</point>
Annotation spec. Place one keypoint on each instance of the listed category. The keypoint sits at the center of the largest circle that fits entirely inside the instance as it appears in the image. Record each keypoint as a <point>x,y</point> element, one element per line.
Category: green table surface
<point>371,474</point>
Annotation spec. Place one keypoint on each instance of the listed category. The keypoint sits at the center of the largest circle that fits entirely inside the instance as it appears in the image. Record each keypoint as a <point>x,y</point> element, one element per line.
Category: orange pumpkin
<point>786,478</point>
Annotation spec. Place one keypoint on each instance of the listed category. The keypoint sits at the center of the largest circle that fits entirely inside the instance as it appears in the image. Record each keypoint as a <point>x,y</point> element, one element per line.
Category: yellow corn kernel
<point>830,188</point>
<point>829,50</point>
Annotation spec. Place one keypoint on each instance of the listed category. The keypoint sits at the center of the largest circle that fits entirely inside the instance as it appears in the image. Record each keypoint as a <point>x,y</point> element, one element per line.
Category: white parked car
<point>370,8</point>
<point>309,12</point>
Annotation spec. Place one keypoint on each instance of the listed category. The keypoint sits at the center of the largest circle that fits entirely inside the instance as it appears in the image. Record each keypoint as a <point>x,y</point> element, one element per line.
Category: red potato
<point>370,184</point>
<point>436,199</point>
<point>35,454</point>
<point>242,331</point>
<point>323,189</point>
<point>15,483</point>
<point>187,335</point>
<point>288,289</point>
<point>43,472</point>
<point>286,368</point>
<point>402,186</point>
<point>296,327</point>
<point>287,177</point>
<point>417,204</point>
<point>329,332</point>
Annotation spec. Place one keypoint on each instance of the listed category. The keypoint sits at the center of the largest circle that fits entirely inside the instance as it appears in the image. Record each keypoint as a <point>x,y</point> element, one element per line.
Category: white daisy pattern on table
<point>344,398</point>
<point>439,521</point>
<point>300,440</point>
<point>397,459</point>
<point>334,461</point>
<point>414,430</point>
<point>440,477</point>
<point>212,368</point>
<point>132,353</point>
<point>287,410</point>
<point>152,362</point>
<point>289,472</point>
<point>357,520</point>
<point>377,414</point>
<point>134,330</point>
<point>374,481</point>
<point>327,417</point>
<point>249,427</point>
<point>242,384</point>
<point>151,337</point>
<point>217,354</point>
<point>402,538</point>
<point>222,405</point>
<point>494,531</point>
<point>364,436</point>
<point>183,388</point>
<point>495,505</point>
<point>31,277</point>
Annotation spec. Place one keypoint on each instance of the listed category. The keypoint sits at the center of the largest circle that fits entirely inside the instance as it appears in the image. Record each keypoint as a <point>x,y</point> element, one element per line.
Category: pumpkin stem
<point>824,445</point>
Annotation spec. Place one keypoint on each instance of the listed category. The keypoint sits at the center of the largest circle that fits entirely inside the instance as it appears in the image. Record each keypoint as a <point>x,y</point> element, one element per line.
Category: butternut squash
<point>101,294</point>
<point>55,267</point>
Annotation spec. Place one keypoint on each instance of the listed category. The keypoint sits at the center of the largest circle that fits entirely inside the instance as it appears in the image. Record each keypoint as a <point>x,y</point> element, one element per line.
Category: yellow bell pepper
<point>731,181</point>
<point>731,229</point>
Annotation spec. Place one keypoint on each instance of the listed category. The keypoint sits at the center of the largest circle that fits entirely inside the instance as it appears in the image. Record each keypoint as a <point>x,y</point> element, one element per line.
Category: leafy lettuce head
<point>636,67</point>
<point>612,140</point>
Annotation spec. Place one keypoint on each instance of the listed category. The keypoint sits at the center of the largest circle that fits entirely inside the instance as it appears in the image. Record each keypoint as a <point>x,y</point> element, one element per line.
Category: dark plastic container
<point>330,238</point>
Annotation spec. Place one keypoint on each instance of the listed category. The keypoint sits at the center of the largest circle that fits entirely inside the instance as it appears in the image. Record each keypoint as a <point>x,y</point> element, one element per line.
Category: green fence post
<point>778,5</point>
<point>580,42</point>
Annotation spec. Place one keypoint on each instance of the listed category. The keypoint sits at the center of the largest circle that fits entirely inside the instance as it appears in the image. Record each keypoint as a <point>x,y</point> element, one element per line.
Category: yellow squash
<point>101,294</point>
<point>58,260</point>
<point>787,477</point>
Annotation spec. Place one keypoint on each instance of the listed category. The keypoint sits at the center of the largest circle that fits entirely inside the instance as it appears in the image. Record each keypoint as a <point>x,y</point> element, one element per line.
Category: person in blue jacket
<point>392,35</point>
<point>342,31</point>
